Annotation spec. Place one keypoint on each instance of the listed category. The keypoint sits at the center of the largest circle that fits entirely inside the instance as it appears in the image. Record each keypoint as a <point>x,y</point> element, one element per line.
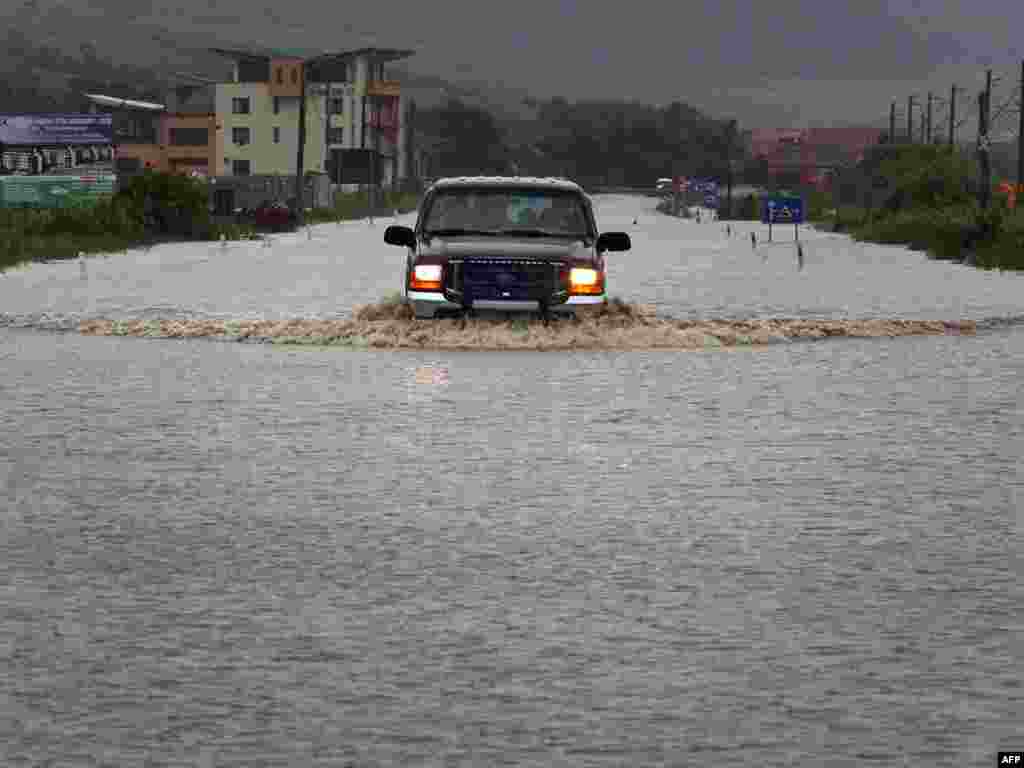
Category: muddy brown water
<point>615,326</point>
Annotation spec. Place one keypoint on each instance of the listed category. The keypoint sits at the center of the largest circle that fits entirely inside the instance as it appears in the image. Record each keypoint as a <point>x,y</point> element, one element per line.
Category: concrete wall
<point>251,191</point>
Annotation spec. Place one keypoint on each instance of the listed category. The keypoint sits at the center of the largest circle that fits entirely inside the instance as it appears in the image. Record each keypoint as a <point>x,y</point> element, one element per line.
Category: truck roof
<point>508,181</point>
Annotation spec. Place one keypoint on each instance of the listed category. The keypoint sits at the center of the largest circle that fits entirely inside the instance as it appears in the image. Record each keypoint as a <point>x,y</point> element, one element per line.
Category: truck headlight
<point>585,281</point>
<point>426,277</point>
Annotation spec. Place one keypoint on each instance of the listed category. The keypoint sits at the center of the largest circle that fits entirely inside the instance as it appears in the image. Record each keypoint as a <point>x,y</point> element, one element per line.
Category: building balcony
<point>392,88</point>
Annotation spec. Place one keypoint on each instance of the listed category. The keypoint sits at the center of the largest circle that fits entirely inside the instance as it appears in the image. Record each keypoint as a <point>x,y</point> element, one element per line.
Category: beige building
<point>352,111</point>
<point>259,112</point>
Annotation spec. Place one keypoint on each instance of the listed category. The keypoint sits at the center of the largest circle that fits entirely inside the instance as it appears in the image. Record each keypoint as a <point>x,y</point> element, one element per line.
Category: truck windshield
<point>507,211</point>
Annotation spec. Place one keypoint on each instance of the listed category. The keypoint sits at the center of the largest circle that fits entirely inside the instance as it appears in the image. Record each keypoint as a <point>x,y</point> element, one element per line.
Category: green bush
<point>928,177</point>
<point>943,233</point>
<point>848,217</point>
<point>817,204</point>
<point>177,206</point>
<point>231,232</point>
<point>1006,251</point>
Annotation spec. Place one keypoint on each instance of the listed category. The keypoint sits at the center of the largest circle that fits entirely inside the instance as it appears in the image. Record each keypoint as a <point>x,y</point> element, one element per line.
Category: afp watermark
<point>1012,759</point>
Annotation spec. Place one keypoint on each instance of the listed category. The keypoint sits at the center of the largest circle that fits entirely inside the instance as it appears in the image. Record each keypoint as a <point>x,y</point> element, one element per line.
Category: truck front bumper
<point>427,304</point>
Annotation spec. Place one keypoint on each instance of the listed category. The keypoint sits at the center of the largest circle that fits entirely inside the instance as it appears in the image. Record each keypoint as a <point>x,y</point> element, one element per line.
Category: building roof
<point>193,100</point>
<point>113,101</point>
<point>259,52</point>
<point>508,181</point>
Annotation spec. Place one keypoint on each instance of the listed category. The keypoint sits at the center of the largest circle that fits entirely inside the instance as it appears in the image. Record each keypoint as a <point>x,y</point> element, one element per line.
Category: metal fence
<point>229,193</point>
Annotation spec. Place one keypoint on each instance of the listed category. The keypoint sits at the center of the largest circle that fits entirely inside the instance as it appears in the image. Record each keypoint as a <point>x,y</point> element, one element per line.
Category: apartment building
<point>353,111</point>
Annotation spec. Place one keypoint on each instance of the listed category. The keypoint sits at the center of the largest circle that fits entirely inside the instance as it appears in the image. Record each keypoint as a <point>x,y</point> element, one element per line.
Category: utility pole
<point>985,185</point>
<point>300,209</point>
<point>373,156</point>
<point>728,159</point>
<point>892,123</point>
<point>928,119</point>
<point>910,119</point>
<point>952,118</point>
<point>986,158</point>
<point>1020,135</point>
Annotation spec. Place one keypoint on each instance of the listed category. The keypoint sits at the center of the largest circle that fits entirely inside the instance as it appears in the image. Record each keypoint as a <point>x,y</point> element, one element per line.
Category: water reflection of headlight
<point>429,375</point>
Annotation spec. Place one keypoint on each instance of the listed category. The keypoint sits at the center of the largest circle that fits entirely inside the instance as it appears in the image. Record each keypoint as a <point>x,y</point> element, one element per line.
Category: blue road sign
<point>711,201</point>
<point>703,185</point>
<point>783,210</point>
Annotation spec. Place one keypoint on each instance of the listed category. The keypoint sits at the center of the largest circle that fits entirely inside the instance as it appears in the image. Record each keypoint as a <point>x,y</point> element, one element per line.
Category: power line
<point>999,112</point>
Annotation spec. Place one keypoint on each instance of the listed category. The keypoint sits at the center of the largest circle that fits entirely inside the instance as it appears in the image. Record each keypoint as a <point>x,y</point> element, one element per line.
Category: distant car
<point>274,216</point>
<point>510,244</point>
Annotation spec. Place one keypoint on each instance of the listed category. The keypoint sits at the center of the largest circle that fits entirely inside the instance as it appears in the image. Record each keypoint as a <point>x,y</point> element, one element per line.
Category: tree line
<point>597,143</point>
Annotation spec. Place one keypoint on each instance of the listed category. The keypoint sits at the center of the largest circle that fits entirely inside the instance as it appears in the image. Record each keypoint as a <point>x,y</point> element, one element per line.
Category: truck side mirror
<point>614,241</point>
<point>399,235</point>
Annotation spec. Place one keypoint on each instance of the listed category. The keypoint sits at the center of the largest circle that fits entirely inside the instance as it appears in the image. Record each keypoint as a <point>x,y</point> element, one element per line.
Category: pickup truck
<point>507,244</point>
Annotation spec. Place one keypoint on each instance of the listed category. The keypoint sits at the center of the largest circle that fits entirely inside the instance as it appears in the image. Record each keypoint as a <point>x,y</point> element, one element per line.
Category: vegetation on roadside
<point>932,206</point>
<point>151,207</point>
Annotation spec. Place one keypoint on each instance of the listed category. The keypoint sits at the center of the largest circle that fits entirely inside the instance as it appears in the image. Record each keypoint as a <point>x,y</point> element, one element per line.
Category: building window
<point>277,135</point>
<point>241,136</point>
<point>280,76</point>
<point>190,137</point>
<point>335,106</point>
<point>295,75</point>
<point>277,102</point>
<point>241,168</point>
<point>240,105</point>
<point>336,135</point>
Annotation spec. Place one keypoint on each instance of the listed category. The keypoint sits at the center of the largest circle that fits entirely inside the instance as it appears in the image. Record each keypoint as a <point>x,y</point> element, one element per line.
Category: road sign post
<point>783,210</point>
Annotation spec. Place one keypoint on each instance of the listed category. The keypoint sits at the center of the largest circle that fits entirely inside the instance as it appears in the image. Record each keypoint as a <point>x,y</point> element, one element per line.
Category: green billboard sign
<point>55,191</point>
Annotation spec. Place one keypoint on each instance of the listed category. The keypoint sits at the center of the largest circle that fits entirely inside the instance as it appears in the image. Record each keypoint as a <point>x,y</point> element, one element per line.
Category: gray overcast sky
<point>787,61</point>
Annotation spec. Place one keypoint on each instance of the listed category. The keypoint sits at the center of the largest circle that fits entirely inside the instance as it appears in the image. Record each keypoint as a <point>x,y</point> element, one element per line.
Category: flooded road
<point>686,270</point>
<point>230,554</point>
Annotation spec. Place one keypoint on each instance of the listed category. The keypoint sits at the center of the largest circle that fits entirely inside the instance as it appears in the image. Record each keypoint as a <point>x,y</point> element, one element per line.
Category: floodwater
<point>687,270</point>
<point>242,555</point>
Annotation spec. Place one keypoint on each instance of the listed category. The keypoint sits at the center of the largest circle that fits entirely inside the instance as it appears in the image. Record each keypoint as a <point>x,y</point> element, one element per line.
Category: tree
<point>466,140</point>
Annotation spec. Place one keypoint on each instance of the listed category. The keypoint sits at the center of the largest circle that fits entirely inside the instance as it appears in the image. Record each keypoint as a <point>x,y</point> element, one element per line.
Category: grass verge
<point>115,224</point>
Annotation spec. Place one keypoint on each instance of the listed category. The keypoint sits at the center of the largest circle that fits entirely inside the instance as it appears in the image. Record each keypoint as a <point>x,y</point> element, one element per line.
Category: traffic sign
<point>783,210</point>
<point>704,185</point>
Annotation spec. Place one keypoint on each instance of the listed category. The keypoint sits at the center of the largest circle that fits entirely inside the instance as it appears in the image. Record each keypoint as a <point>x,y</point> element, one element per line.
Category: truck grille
<point>505,280</point>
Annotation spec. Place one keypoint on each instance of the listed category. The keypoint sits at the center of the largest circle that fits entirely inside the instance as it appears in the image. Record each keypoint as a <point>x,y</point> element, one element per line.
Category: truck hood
<point>546,249</point>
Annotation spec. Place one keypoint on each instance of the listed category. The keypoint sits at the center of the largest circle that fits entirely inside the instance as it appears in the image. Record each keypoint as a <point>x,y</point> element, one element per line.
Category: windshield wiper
<point>453,232</point>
